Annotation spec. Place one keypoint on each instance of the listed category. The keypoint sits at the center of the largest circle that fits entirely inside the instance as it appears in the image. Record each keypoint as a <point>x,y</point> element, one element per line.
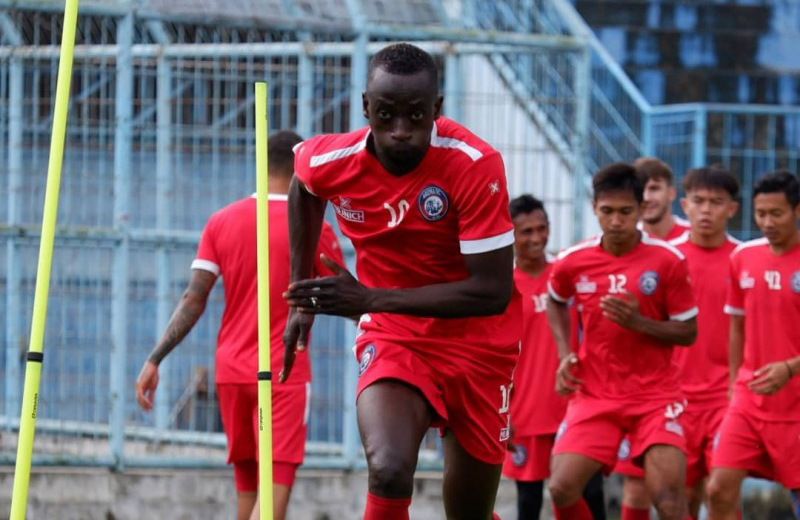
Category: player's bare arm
<point>624,311</point>
<point>558,318</point>
<point>735,349</point>
<point>188,311</point>
<point>306,213</point>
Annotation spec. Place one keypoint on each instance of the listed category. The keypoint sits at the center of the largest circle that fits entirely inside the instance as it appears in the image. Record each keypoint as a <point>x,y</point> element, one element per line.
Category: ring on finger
<point>314,301</point>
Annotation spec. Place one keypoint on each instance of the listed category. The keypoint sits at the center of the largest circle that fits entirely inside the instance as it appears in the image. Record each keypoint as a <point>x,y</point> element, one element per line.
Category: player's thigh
<point>569,475</point>
<point>664,468</point>
<point>392,419</point>
<point>470,485</point>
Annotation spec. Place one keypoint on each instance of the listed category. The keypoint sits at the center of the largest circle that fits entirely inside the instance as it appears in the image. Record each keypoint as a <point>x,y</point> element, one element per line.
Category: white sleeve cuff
<point>553,294</point>
<point>206,265</point>
<point>483,245</point>
<point>684,316</point>
<point>733,311</point>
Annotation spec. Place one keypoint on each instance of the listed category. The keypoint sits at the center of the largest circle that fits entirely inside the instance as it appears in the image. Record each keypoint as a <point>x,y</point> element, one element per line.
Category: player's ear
<point>365,104</point>
<point>684,204</point>
<point>733,208</point>
<point>673,193</point>
<point>437,107</point>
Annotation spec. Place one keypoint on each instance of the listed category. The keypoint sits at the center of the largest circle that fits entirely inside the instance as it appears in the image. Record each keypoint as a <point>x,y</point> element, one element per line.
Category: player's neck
<point>279,185</point>
<point>661,228</point>
<point>531,266</point>
<point>787,246</point>
<point>708,241</point>
<point>621,248</point>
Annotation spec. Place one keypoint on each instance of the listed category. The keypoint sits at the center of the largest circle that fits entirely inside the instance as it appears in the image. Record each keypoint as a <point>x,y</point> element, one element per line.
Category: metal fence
<point>160,136</point>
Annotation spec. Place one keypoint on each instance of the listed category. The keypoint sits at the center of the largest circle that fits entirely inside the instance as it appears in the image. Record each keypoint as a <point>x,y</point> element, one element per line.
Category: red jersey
<point>704,366</point>
<point>228,249</point>
<point>616,363</point>
<point>765,289</point>
<point>679,227</point>
<point>413,230</point>
<point>536,408</point>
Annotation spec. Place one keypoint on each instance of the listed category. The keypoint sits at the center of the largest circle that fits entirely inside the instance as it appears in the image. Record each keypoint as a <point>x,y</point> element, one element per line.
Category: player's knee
<point>670,503</point>
<point>563,491</point>
<point>390,476</point>
<point>719,495</point>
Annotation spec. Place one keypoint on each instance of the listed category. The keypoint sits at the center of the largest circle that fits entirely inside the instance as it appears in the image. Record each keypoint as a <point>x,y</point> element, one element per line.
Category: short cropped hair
<point>650,169</point>
<point>526,204</point>
<point>404,59</point>
<point>618,177</point>
<point>281,151</point>
<point>779,181</point>
<point>713,177</point>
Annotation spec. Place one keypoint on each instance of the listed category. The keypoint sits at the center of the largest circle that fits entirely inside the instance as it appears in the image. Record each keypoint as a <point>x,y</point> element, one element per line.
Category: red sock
<point>577,511</point>
<point>379,508</point>
<point>630,513</point>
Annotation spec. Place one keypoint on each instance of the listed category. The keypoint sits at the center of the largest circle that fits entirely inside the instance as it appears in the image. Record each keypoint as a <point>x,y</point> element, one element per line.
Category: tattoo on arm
<point>189,309</point>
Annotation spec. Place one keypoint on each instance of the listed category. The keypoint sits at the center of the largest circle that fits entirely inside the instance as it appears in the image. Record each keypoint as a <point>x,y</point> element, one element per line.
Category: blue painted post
<point>452,86</point>
<point>120,389</point>
<point>358,79</point>
<point>305,95</point>
<point>648,145</point>
<point>14,338</point>
<point>699,138</point>
<point>579,140</point>
<point>164,192</point>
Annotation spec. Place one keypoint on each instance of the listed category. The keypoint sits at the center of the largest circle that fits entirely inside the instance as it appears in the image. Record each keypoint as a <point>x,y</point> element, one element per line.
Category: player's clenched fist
<point>624,310</point>
<point>146,385</point>
<point>566,382</point>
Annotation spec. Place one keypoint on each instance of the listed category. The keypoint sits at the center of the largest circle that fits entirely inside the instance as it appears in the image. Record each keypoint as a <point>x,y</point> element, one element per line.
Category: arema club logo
<point>648,282</point>
<point>796,282</point>
<point>367,355</point>
<point>433,203</point>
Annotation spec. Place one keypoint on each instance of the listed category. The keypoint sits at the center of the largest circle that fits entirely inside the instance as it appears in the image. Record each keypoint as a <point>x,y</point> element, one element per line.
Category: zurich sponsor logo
<point>648,282</point>
<point>796,282</point>
<point>520,456</point>
<point>367,355</point>
<point>433,203</point>
<point>624,450</point>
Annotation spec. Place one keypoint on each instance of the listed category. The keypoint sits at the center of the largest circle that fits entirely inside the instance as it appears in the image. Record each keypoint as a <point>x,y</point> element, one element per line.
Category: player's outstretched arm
<point>485,292</point>
<point>306,213</point>
<point>187,312</point>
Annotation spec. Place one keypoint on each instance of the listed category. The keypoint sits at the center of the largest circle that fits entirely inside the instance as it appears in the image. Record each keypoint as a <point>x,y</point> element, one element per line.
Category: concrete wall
<point>100,494</point>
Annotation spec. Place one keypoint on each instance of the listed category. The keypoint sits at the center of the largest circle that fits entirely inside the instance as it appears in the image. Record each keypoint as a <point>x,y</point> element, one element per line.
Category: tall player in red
<point>636,304</point>
<point>658,221</point>
<point>536,408</point>
<point>760,434</point>
<point>425,203</point>
<point>228,249</point>
<point>709,201</point>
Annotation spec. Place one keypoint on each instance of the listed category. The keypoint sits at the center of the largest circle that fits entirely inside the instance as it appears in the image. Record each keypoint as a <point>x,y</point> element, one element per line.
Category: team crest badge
<point>433,203</point>
<point>648,282</point>
<point>520,456</point>
<point>624,450</point>
<point>367,355</point>
<point>796,282</point>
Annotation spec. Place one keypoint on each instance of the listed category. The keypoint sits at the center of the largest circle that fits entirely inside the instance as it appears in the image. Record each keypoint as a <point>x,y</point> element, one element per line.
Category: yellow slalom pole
<point>264,367</point>
<point>33,368</point>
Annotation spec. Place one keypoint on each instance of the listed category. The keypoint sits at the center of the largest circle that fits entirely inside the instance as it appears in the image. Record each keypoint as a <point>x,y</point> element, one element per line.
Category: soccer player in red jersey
<point>636,304</point>
<point>659,194</point>
<point>536,408</point>
<point>760,434</point>
<point>425,204</point>
<point>658,221</point>
<point>228,249</point>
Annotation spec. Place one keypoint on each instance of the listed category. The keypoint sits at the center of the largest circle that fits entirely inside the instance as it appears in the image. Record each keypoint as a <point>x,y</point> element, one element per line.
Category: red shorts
<point>765,449</point>
<point>238,405</point>
<point>530,460</point>
<point>595,428</point>
<point>470,397</point>
<point>625,465</point>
